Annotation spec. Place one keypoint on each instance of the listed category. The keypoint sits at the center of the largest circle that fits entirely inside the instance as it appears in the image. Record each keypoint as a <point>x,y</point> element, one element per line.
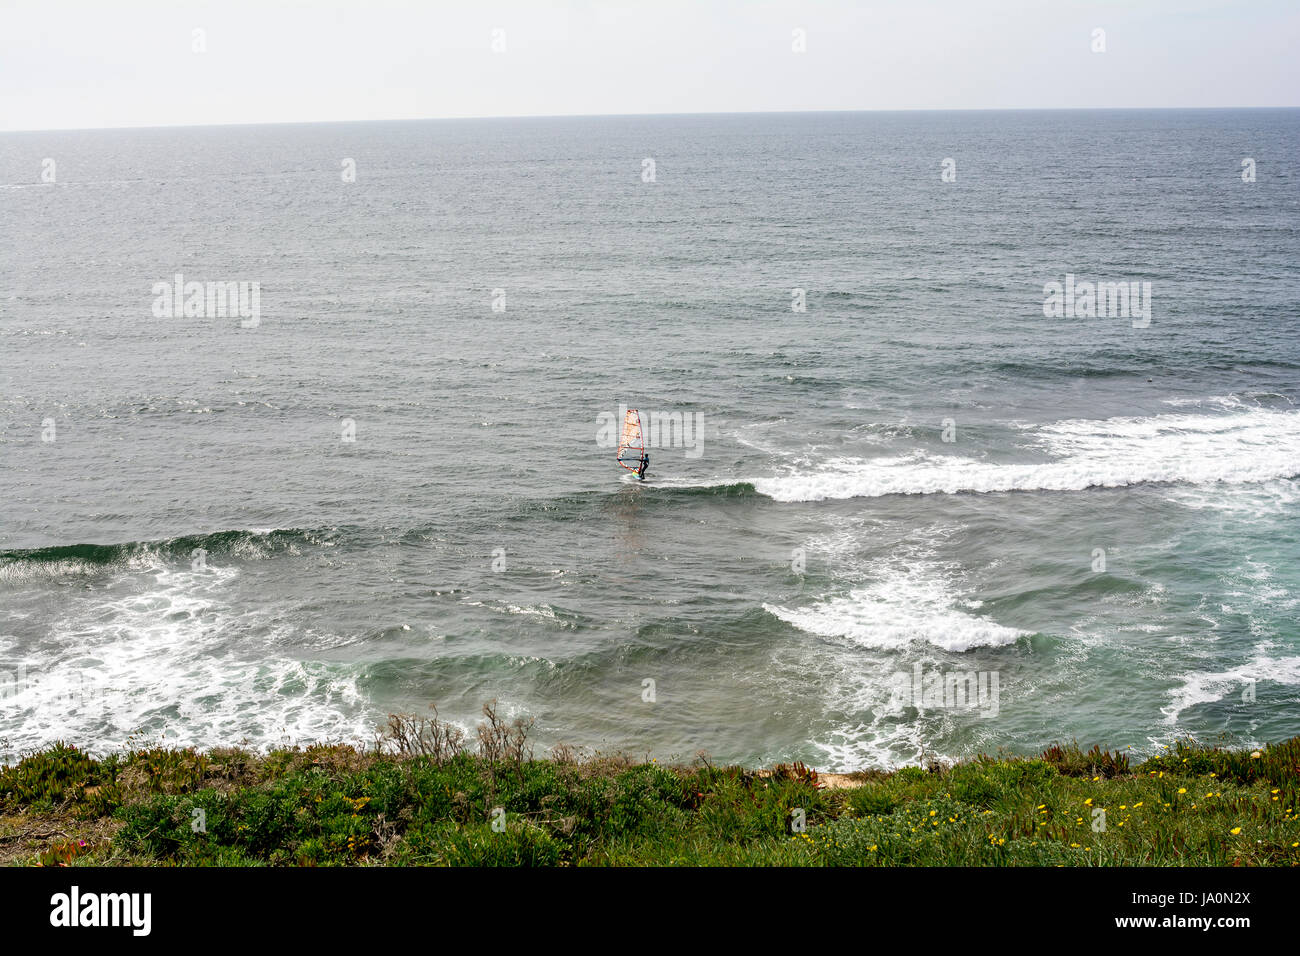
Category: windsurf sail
<point>631,447</point>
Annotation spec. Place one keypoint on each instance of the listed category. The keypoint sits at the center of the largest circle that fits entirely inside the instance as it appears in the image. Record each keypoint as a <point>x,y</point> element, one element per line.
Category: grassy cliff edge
<point>420,798</point>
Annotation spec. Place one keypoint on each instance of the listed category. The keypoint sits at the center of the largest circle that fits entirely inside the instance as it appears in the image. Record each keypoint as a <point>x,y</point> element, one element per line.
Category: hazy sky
<point>93,63</point>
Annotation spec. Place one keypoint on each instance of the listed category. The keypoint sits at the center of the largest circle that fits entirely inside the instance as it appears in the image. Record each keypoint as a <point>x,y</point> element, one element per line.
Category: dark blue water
<point>920,469</point>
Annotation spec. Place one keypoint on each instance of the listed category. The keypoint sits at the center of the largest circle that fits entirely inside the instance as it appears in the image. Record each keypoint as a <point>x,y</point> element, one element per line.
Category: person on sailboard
<point>645,463</point>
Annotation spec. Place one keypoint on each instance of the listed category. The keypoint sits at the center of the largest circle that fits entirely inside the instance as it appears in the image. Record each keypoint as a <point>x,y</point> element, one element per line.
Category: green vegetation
<point>420,799</point>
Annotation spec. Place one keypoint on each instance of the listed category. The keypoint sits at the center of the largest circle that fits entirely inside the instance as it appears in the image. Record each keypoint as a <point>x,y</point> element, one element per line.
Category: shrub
<point>519,844</point>
<point>1072,762</point>
<point>60,775</point>
<point>164,770</point>
<point>1276,764</point>
<point>410,735</point>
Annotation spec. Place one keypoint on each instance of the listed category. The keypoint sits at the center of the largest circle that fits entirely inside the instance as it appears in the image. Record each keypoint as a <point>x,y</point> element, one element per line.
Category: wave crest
<point>1247,446</point>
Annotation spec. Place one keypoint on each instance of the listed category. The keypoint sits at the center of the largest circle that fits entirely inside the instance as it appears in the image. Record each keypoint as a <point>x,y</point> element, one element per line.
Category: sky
<point>76,64</point>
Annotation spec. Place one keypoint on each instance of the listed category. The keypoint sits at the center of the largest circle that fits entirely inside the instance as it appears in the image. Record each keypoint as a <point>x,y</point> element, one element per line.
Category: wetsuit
<point>645,463</point>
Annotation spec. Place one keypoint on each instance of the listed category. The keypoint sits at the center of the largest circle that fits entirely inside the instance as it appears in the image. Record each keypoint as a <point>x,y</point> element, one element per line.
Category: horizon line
<point>538,116</point>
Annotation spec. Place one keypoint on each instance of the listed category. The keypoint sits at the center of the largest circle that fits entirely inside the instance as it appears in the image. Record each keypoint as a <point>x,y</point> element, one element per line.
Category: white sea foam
<point>1206,687</point>
<point>913,602</point>
<point>1262,500</point>
<point>882,744</point>
<point>1216,401</point>
<point>1248,445</point>
<point>529,610</point>
<point>860,685</point>
<point>745,436</point>
<point>23,571</point>
<point>161,661</point>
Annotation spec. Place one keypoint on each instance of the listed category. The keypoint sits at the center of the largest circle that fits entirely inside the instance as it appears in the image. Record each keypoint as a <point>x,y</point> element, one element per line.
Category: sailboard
<point>631,447</point>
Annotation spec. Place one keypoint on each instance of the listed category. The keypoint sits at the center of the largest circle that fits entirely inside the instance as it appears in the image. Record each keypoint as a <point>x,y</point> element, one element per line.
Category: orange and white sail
<point>631,446</point>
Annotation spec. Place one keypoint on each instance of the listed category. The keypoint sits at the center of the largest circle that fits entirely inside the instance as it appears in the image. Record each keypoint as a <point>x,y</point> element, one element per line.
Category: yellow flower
<point>1138,804</point>
<point>1182,789</point>
<point>1255,755</point>
<point>1235,830</point>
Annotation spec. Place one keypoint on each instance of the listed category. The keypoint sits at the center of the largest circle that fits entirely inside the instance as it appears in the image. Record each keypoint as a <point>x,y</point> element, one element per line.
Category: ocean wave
<point>80,559</point>
<point>1245,446</point>
<point>912,602</point>
<point>884,742</point>
<point>729,489</point>
<point>557,616</point>
<point>1208,687</point>
<point>158,661</point>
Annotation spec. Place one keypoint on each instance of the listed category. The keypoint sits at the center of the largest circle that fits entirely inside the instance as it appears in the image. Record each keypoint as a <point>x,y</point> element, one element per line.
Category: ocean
<point>883,464</point>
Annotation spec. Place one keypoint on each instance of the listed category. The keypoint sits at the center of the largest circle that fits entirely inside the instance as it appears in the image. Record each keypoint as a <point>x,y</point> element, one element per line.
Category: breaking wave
<point>1252,445</point>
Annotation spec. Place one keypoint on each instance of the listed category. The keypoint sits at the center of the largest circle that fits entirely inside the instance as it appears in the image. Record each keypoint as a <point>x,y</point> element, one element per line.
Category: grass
<point>421,798</point>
